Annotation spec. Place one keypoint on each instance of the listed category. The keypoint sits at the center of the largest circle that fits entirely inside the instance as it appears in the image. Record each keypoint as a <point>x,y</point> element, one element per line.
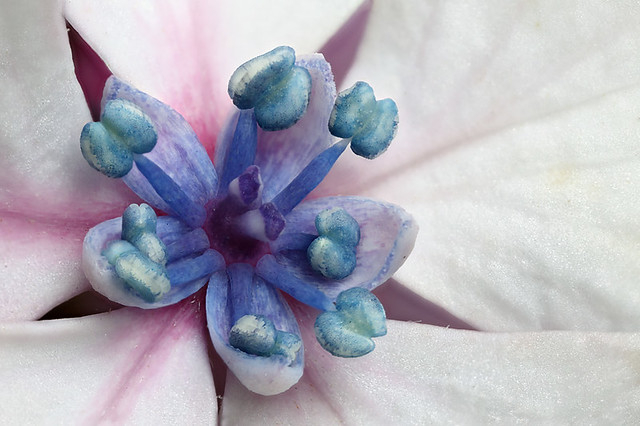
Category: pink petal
<point>421,374</point>
<point>127,366</point>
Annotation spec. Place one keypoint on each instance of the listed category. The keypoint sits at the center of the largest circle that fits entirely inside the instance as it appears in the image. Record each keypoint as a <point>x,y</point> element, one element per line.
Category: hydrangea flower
<point>242,226</point>
<point>120,366</point>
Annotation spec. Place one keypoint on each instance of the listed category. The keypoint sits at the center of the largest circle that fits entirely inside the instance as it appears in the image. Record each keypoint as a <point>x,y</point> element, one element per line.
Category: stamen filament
<point>183,207</point>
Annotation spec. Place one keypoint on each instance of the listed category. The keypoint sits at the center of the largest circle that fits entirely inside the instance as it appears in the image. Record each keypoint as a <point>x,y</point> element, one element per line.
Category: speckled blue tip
<point>371,125</point>
<point>110,144</point>
<point>333,253</point>
<point>257,335</point>
<point>139,258</point>
<point>347,331</point>
<point>277,89</point>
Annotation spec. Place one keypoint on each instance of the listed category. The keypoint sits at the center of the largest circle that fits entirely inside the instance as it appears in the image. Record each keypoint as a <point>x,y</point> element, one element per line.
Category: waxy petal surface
<point>126,366</point>
<point>422,374</point>
<point>535,227</point>
<point>49,196</point>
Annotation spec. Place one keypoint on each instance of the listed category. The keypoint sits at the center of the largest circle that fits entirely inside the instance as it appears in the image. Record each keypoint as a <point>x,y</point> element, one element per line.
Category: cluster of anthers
<point>243,227</point>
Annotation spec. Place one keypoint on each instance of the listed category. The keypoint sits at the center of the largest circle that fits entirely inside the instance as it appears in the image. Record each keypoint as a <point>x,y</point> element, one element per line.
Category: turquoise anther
<point>103,152</point>
<point>140,257</point>
<point>338,225</point>
<point>147,278</point>
<point>333,253</point>
<point>347,331</point>
<point>130,125</point>
<point>256,335</point>
<point>370,124</point>
<point>277,89</point>
<point>139,228</point>
<point>123,130</point>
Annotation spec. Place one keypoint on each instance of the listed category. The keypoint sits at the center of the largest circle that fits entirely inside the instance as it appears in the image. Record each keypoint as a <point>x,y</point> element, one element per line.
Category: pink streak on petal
<point>147,359</point>
<point>167,50</point>
<point>341,49</point>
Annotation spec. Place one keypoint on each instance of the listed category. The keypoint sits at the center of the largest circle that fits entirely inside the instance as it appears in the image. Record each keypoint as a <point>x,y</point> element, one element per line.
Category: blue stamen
<point>333,253</point>
<point>277,89</point>
<point>347,332</point>
<point>191,269</point>
<point>147,278</point>
<point>123,130</point>
<point>280,277</point>
<point>188,244</point>
<point>309,178</point>
<point>139,228</point>
<point>192,213</point>
<point>257,335</point>
<point>370,124</point>
<point>242,151</point>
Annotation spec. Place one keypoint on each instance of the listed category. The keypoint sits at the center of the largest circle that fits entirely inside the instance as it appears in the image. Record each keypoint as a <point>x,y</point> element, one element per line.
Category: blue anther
<point>257,335</point>
<point>103,152</point>
<point>347,331</point>
<point>109,145</point>
<point>242,151</point>
<point>139,228</point>
<point>330,258</point>
<point>376,137</point>
<point>253,334</point>
<point>277,89</point>
<point>129,124</point>
<point>338,225</point>
<point>352,107</point>
<point>190,212</point>
<point>333,253</point>
<point>252,78</point>
<point>308,178</point>
<point>371,124</point>
<point>147,278</point>
<point>283,104</point>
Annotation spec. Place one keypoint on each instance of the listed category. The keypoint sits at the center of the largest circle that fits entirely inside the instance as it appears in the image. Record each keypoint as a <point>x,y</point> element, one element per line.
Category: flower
<point>459,376</point>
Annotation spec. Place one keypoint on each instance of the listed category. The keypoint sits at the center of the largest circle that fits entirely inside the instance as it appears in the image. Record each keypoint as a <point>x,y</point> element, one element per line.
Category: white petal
<point>127,366</point>
<point>460,70</point>
<point>533,227</point>
<point>420,374</point>
<point>48,194</point>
